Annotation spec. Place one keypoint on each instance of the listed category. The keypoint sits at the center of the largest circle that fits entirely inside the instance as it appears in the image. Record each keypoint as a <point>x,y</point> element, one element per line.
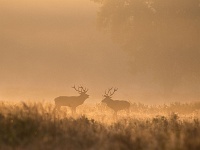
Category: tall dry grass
<point>35,126</point>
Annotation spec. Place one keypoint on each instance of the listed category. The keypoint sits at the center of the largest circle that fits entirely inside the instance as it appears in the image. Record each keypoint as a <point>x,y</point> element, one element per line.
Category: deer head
<point>108,95</point>
<point>82,91</point>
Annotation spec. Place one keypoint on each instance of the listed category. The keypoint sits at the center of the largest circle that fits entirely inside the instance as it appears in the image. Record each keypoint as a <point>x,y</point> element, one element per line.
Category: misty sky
<point>48,46</point>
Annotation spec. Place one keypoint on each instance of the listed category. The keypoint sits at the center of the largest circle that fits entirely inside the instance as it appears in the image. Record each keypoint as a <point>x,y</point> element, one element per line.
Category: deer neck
<point>110,101</point>
<point>82,97</point>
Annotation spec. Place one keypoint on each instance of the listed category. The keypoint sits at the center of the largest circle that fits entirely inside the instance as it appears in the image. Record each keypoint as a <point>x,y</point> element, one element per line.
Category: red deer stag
<point>72,101</point>
<point>115,105</point>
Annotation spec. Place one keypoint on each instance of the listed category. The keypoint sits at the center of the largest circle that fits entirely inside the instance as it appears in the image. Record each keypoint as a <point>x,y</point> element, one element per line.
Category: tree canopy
<point>163,37</point>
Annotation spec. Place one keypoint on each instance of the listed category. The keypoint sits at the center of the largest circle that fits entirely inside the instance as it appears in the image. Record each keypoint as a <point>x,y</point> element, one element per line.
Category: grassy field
<point>37,126</point>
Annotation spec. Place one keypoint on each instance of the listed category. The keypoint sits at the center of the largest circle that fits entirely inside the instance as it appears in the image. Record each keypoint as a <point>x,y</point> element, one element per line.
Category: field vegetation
<point>39,126</point>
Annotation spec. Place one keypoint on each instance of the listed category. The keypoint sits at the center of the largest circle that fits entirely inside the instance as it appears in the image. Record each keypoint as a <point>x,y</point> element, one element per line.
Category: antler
<point>106,94</point>
<point>113,92</point>
<point>109,94</point>
<point>76,89</point>
<point>83,90</point>
<point>80,89</point>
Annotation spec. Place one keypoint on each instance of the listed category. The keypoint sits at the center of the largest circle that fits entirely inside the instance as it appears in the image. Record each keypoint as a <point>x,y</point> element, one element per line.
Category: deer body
<point>72,101</point>
<point>115,105</point>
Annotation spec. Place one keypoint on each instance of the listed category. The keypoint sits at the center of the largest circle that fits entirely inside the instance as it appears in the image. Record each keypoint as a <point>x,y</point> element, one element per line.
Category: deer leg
<point>73,111</point>
<point>57,107</point>
<point>115,115</point>
<point>128,111</point>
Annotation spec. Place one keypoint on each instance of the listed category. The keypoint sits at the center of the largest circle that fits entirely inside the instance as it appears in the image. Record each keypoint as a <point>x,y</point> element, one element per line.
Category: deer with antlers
<point>115,105</point>
<point>72,101</point>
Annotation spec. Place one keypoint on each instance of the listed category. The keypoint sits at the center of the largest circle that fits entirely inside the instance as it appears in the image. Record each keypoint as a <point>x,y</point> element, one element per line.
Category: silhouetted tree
<point>163,37</point>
